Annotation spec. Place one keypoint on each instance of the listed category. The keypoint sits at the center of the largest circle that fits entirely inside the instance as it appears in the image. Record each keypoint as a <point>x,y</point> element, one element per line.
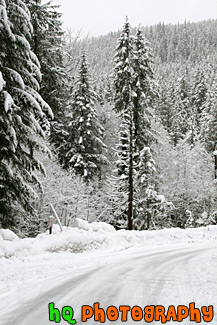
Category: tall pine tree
<point>123,105</point>
<point>144,91</point>
<point>134,89</point>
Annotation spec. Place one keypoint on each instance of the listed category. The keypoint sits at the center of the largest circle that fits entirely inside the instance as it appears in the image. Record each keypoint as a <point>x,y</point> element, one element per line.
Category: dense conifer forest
<point>121,128</point>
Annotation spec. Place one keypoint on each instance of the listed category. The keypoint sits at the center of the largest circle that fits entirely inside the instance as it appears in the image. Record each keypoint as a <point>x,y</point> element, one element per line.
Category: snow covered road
<point>175,274</point>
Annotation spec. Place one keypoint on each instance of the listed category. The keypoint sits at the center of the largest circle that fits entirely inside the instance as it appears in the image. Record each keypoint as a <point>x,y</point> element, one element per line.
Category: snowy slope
<point>91,263</point>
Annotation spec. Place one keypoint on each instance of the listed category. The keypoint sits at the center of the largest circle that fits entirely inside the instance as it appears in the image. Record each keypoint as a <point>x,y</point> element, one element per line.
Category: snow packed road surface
<point>172,274</point>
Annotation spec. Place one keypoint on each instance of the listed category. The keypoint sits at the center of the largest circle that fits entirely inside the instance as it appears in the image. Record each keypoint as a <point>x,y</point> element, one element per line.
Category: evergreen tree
<point>143,91</point>
<point>123,70</point>
<point>179,125</point>
<point>209,124</point>
<point>198,98</point>
<point>165,105</point>
<point>47,44</point>
<point>21,109</point>
<point>133,93</point>
<point>108,92</point>
<point>120,179</point>
<point>144,185</point>
<point>82,149</point>
<point>123,83</point>
<point>181,111</point>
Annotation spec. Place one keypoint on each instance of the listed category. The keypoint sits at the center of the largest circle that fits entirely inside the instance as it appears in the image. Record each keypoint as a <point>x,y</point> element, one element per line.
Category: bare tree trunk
<point>130,198</point>
<point>215,162</point>
<point>88,206</point>
<point>148,216</point>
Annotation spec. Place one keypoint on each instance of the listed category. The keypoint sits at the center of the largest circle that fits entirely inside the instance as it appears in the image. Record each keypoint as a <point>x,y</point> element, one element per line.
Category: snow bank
<point>6,234</point>
<point>96,236</point>
<point>94,226</point>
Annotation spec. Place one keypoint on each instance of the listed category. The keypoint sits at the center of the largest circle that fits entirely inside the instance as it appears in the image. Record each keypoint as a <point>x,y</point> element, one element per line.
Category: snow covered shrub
<point>186,179</point>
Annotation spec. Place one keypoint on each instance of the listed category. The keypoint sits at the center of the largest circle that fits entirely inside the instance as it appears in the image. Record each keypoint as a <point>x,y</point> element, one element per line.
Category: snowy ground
<point>94,263</point>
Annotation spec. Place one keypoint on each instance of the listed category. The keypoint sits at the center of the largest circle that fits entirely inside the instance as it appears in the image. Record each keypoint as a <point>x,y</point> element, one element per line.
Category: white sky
<point>99,17</point>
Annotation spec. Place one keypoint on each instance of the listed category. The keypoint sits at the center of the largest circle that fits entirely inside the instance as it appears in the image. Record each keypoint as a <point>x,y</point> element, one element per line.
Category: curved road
<point>171,276</point>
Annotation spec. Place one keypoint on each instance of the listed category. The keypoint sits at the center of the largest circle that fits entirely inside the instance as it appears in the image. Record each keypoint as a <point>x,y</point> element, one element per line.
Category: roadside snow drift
<point>96,236</point>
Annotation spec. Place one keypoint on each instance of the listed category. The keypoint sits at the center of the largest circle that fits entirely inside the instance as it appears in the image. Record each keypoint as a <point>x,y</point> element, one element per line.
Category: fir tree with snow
<point>198,99</point>
<point>47,44</point>
<point>123,69</point>
<point>179,124</point>
<point>134,90</point>
<point>119,180</point>
<point>182,120</point>
<point>209,124</point>
<point>143,91</point>
<point>83,146</point>
<point>21,109</point>
<point>144,182</point>
<point>123,79</point>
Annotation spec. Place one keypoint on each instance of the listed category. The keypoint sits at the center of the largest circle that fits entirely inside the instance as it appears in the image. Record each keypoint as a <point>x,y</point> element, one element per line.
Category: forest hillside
<point>120,128</point>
